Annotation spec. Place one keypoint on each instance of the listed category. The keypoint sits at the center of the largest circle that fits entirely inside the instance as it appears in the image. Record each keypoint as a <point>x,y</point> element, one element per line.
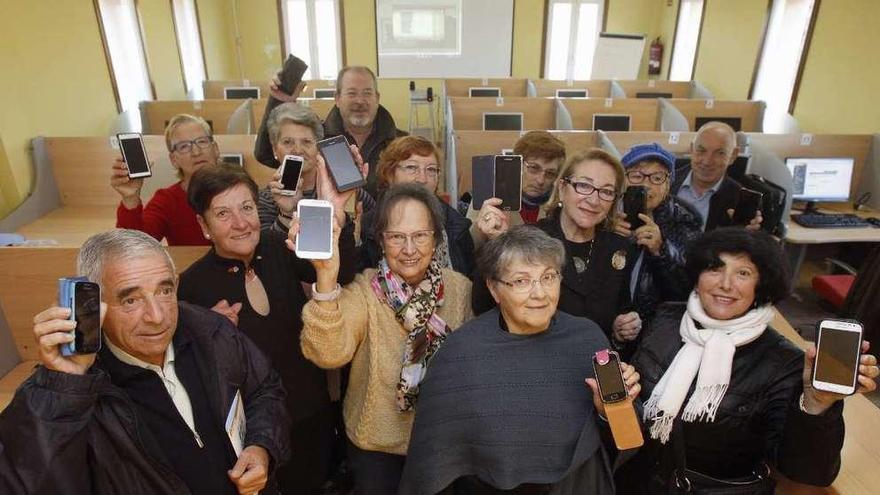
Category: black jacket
<point>65,433</point>
<point>723,199</point>
<point>461,246</point>
<point>759,419</point>
<point>212,278</point>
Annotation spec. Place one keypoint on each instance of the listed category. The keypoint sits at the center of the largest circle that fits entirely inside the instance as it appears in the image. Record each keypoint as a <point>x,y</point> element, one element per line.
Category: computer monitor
<point>572,93</point>
<point>609,122</point>
<point>232,159</point>
<point>502,121</point>
<point>241,92</point>
<point>484,91</point>
<point>648,94</point>
<point>325,94</point>
<point>820,179</point>
<point>734,122</point>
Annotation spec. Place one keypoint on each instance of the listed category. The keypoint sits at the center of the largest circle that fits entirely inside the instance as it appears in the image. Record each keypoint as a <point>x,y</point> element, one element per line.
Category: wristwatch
<point>326,296</point>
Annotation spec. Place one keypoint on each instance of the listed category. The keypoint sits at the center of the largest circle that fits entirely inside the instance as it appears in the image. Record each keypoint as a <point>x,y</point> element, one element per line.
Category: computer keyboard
<point>830,221</point>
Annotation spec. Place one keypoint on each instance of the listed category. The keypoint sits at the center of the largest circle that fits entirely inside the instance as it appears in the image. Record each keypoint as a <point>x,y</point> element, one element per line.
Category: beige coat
<point>364,332</point>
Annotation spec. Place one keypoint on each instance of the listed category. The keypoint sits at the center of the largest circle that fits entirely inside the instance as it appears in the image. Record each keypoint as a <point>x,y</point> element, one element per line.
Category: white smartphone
<point>291,170</point>
<point>135,155</point>
<point>838,348</point>
<point>315,238</point>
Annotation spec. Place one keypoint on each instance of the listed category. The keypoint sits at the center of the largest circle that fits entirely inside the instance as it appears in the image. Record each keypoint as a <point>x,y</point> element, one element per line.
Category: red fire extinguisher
<point>655,57</point>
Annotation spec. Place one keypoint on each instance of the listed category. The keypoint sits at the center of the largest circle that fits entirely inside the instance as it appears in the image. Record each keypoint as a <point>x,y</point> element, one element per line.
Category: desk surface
<point>803,235</point>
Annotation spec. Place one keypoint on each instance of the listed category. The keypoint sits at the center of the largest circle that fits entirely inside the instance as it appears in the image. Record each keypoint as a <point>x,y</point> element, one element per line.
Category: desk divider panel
<point>644,113</point>
<point>509,86</point>
<point>678,89</point>
<point>214,89</point>
<point>467,113</point>
<point>467,144</point>
<point>751,113</point>
<point>321,107</point>
<point>675,142</point>
<point>548,87</point>
<point>156,114</point>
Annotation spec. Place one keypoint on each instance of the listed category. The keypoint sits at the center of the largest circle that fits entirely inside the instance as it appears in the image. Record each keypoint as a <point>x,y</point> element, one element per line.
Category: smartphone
<point>747,206</point>
<point>508,181</point>
<point>84,300</point>
<point>606,365</point>
<point>291,169</point>
<point>635,201</point>
<point>838,348</point>
<point>340,162</point>
<point>134,155</point>
<point>482,179</point>
<point>291,73</point>
<point>315,238</point>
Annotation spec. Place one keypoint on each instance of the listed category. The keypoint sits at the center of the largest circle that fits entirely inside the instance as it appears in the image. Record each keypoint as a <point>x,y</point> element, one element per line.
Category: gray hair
<point>116,245</point>
<point>293,113</point>
<point>520,243</point>
<point>713,125</point>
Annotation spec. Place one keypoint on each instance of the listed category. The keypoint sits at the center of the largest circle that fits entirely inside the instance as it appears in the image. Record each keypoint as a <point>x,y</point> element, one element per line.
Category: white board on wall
<point>444,38</point>
<point>618,56</point>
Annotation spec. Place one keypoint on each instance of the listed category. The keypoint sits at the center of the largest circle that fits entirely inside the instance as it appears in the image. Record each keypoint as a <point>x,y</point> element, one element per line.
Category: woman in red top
<point>168,215</point>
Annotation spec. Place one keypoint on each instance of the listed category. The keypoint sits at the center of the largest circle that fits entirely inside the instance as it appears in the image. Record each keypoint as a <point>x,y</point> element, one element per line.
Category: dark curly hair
<point>208,182</point>
<point>761,248</point>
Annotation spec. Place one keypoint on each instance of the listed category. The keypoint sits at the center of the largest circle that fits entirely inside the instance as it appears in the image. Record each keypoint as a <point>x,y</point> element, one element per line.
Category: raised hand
<point>129,189</point>
<point>51,329</point>
<point>492,222</point>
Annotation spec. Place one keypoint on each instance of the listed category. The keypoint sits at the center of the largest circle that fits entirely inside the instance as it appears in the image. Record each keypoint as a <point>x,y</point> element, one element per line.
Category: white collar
<point>133,361</point>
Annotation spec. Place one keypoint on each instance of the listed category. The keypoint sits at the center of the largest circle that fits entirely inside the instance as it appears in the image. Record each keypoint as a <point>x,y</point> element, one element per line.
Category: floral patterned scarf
<point>415,309</point>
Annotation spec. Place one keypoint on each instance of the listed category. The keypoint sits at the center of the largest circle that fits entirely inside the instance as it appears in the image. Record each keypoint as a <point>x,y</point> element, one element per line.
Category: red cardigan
<point>167,215</point>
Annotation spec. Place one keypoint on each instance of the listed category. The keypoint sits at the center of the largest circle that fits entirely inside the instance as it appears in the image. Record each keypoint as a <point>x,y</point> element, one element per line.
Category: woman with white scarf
<point>728,397</point>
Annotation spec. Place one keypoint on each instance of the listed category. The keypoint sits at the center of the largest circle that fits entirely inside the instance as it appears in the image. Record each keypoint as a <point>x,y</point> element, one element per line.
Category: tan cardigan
<point>363,331</point>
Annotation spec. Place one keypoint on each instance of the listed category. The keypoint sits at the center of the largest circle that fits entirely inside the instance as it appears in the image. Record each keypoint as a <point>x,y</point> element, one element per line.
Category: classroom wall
<point>636,17</point>
<point>163,57</point>
<point>218,40</point>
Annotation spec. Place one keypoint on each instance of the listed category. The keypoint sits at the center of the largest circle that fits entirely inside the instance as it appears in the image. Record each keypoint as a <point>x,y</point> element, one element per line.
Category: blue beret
<point>653,152</point>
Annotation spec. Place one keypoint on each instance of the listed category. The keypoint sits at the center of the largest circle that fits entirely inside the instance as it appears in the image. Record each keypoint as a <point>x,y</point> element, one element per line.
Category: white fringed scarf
<point>707,354</point>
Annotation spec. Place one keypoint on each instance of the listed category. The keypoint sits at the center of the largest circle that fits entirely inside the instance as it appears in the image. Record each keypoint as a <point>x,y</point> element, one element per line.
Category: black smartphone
<point>85,303</point>
<point>635,201</point>
<point>292,73</point>
<point>606,365</point>
<point>747,206</point>
<point>508,181</point>
<point>291,169</point>
<point>340,162</point>
<point>482,179</point>
<point>134,154</point>
<point>838,348</point>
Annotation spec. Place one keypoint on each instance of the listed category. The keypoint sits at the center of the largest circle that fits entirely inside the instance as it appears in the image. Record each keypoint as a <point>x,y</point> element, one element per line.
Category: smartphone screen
<point>339,160</point>
<point>482,179</point>
<point>508,181</point>
<point>837,354</point>
<point>635,201</point>
<point>747,206</point>
<point>87,314</point>
<point>292,169</point>
<point>610,379</point>
<point>134,156</point>
<point>315,229</point>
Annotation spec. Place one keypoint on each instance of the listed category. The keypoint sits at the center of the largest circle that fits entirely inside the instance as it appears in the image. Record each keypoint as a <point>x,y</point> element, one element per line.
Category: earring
<point>207,236</point>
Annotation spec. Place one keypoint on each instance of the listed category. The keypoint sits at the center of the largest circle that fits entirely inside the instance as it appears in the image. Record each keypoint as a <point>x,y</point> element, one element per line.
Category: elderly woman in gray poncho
<point>504,405</point>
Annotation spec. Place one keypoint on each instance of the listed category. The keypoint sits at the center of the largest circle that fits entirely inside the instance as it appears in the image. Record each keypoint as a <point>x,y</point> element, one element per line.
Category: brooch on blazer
<point>618,259</point>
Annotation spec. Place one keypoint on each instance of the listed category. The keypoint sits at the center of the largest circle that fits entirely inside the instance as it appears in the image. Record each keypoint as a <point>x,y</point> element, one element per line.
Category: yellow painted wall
<point>218,40</point>
<point>163,56</point>
<point>841,77</point>
<point>260,38</point>
<point>54,82</point>
<point>666,31</point>
<point>636,17</point>
<point>528,31</point>
<point>729,46</point>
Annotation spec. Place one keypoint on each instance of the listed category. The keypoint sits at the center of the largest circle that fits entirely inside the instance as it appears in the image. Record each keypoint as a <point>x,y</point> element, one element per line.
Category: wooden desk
<point>860,457</point>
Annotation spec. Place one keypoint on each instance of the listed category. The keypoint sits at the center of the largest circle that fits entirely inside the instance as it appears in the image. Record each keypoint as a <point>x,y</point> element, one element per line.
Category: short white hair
<point>116,245</point>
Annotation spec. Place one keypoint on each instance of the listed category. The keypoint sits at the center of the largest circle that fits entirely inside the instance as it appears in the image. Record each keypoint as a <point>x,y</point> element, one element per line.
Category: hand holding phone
<point>134,154</point>
<point>615,400</point>
<point>340,163</point>
<point>83,298</point>
<point>838,349</point>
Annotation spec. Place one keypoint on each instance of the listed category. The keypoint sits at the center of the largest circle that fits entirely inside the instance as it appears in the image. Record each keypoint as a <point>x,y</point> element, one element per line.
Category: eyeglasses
<point>185,147</point>
<point>421,238</point>
<point>656,178</point>
<point>525,285</point>
<point>535,169</point>
<point>412,170</point>
<point>586,189</point>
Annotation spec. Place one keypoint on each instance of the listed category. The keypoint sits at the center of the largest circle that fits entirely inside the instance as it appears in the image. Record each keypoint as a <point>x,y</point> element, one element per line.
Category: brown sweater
<point>364,332</point>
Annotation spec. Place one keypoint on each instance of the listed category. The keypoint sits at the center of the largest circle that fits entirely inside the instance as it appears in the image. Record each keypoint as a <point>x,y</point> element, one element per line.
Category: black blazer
<point>724,198</point>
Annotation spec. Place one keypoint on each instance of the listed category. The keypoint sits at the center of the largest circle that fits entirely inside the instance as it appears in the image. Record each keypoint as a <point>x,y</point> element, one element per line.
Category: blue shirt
<point>687,194</point>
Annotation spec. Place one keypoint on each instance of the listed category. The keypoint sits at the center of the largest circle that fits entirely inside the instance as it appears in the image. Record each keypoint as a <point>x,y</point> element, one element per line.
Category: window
<point>312,33</point>
<point>123,44</point>
<point>687,37</point>
<point>574,26</point>
<point>189,44</point>
<point>782,52</point>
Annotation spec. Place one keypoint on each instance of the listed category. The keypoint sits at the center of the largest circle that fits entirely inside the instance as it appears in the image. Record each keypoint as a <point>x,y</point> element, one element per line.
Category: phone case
<point>635,201</point>
<point>482,179</point>
<point>65,300</point>
<point>291,73</point>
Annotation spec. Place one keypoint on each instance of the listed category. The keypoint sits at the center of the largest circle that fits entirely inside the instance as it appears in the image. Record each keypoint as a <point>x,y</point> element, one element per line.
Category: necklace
<point>581,264</point>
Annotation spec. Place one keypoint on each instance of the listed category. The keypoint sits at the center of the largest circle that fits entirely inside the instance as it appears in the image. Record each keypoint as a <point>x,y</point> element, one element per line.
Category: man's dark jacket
<point>65,433</point>
<point>724,198</point>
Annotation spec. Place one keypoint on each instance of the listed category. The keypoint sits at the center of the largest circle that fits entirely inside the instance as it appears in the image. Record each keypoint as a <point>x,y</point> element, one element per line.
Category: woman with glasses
<point>504,407</point>
<point>388,324</point>
<point>414,159</point>
<point>168,215</point>
<point>670,226</point>
<point>596,274</point>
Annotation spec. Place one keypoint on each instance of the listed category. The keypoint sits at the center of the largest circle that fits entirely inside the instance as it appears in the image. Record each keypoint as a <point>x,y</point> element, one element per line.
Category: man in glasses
<point>168,215</point>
